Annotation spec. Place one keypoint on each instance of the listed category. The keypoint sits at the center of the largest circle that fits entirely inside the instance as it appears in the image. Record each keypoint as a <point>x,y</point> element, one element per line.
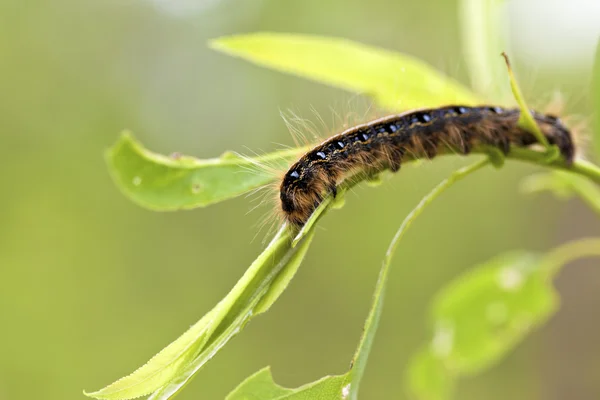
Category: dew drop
<point>510,279</point>
<point>137,181</point>
<point>346,391</point>
<point>443,340</point>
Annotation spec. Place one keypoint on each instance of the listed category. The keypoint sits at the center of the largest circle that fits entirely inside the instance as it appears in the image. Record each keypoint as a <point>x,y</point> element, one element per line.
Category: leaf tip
<point>216,43</point>
<point>93,395</point>
<point>506,59</point>
<point>227,44</point>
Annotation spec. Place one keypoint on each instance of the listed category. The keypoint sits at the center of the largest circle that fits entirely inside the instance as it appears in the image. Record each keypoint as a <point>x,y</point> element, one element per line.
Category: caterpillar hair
<point>385,143</point>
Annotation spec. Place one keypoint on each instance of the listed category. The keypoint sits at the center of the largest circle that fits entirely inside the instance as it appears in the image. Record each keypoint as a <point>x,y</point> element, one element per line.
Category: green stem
<point>562,255</point>
<point>364,347</point>
<point>446,183</point>
<point>589,193</point>
<point>580,167</point>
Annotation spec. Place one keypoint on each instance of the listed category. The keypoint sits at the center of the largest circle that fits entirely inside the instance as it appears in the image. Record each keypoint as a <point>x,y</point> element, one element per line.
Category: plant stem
<point>562,255</point>
<point>360,356</point>
<point>446,183</point>
<point>580,167</point>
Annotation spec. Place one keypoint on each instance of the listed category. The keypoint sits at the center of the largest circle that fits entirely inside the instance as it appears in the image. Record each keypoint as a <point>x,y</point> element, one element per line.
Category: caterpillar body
<point>384,143</point>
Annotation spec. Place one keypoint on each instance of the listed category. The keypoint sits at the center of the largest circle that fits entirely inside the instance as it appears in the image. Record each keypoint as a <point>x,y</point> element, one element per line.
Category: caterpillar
<point>384,143</point>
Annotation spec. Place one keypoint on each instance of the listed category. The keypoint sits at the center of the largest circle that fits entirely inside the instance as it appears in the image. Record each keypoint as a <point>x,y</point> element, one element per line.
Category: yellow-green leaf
<point>396,81</point>
<point>478,318</point>
<point>161,368</point>
<point>164,183</point>
<point>485,313</point>
<point>428,378</point>
<point>261,386</point>
<point>167,372</point>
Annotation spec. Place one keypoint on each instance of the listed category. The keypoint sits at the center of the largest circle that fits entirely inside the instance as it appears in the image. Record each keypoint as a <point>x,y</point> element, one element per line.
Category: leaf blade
<point>162,183</point>
<point>167,372</point>
<point>482,315</point>
<point>274,269</point>
<point>261,386</point>
<point>396,81</point>
<point>159,369</point>
<point>492,309</point>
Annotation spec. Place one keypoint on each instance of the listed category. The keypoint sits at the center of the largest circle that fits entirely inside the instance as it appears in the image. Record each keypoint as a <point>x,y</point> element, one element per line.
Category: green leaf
<point>261,386</point>
<point>347,385</point>
<point>165,183</point>
<point>484,314</point>
<point>564,185</point>
<point>595,93</point>
<point>526,120</point>
<point>396,81</point>
<point>258,387</point>
<point>428,378</point>
<point>482,23</point>
<point>167,372</point>
<point>480,317</point>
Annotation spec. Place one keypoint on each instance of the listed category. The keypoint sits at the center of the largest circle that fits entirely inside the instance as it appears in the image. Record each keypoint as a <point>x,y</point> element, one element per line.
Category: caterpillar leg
<point>503,144</point>
<point>496,156</point>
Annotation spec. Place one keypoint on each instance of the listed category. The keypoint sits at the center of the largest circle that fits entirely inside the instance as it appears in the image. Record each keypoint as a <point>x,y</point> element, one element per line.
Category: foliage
<point>476,319</point>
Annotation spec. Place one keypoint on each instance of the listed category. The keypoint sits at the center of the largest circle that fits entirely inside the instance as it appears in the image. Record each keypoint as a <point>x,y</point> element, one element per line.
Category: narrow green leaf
<point>482,26</point>
<point>396,81</point>
<point>261,386</point>
<point>165,183</point>
<point>525,119</point>
<point>563,185</point>
<point>595,92</point>
<point>166,373</point>
<point>161,368</point>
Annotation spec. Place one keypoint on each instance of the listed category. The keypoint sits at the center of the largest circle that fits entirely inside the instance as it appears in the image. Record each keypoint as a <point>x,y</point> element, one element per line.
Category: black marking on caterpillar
<point>384,143</point>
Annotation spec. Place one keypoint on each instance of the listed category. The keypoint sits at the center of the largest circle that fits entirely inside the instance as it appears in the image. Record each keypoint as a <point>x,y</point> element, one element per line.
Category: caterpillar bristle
<point>384,143</point>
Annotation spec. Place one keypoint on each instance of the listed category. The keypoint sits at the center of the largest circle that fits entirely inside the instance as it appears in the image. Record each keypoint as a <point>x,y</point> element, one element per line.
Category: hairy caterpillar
<point>384,143</point>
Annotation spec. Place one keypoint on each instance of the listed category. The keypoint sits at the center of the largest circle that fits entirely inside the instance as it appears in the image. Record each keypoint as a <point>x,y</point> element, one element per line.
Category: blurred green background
<point>91,285</point>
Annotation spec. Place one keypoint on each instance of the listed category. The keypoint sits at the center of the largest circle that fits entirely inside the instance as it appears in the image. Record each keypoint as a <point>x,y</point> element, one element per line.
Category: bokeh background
<point>91,285</point>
